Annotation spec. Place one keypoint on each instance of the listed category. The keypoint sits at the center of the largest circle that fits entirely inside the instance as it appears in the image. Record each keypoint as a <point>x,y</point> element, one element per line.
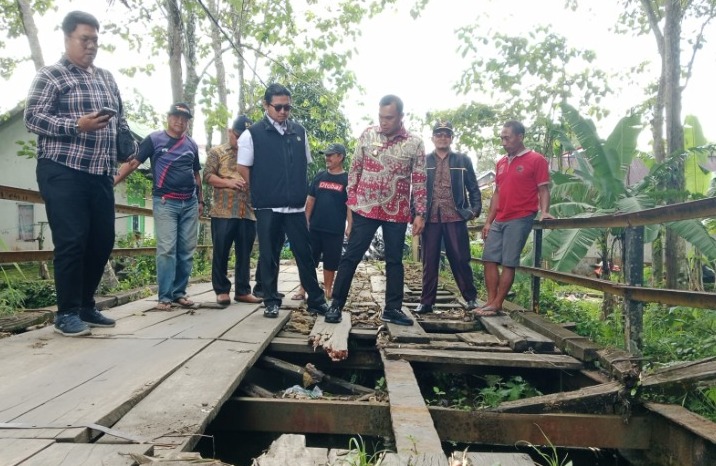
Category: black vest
<point>278,176</point>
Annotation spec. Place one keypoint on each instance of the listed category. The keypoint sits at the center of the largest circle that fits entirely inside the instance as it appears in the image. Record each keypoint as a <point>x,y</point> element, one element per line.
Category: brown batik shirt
<point>442,209</point>
<point>227,203</point>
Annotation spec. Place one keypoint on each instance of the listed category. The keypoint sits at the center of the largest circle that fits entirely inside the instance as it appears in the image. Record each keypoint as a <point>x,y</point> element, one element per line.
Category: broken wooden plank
<point>449,346</point>
<point>407,333</point>
<point>182,406</point>
<point>481,339</point>
<point>310,376</point>
<point>291,449</point>
<point>620,364</point>
<point>542,361</point>
<point>333,338</point>
<point>449,326</point>
<point>680,436</point>
<point>519,337</point>
<point>82,454</point>
<point>596,399</point>
<point>572,344</point>
<point>412,424</point>
<point>256,391</point>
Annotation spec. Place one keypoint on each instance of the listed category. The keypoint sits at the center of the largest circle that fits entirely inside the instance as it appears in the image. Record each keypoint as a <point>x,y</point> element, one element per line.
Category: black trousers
<point>271,226</point>
<point>225,233</point>
<point>358,243</point>
<point>457,249</point>
<point>80,211</point>
<point>280,240</point>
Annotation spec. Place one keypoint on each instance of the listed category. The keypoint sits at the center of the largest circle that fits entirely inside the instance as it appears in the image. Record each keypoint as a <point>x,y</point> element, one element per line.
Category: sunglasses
<point>281,107</point>
<point>442,135</point>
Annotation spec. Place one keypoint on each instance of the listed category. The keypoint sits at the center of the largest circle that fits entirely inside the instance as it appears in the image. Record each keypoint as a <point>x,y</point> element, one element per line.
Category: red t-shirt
<point>517,182</point>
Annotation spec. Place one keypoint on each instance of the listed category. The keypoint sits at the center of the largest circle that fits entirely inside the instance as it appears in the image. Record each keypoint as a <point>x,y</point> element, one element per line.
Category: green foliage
<point>28,149</point>
<point>551,456</point>
<point>470,392</point>
<point>358,454</point>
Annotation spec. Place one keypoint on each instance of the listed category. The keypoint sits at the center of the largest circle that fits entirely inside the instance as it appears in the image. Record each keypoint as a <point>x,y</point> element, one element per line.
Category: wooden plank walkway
<point>156,376</point>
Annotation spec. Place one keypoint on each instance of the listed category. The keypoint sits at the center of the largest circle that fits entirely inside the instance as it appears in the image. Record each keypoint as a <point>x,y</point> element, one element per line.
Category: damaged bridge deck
<point>151,386</point>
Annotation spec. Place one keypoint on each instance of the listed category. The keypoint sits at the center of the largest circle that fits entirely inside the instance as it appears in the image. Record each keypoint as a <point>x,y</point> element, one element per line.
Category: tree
<point>17,20</point>
<point>530,76</point>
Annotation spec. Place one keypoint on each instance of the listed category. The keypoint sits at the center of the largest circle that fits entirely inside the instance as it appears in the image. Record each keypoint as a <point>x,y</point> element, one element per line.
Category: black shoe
<point>320,310</point>
<point>94,318</point>
<point>271,311</point>
<point>333,315</point>
<point>281,295</point>
<point>472,304</point>
<point>396,316</point>
<point>70,325</point>
<point>423,309</point>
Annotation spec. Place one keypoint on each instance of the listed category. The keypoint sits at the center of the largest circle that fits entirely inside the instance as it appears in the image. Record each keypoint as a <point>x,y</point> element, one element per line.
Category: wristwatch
<point>77,126</point>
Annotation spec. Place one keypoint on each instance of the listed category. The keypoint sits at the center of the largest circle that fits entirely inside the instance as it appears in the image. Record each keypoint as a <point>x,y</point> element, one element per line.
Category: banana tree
<point>597,186</point>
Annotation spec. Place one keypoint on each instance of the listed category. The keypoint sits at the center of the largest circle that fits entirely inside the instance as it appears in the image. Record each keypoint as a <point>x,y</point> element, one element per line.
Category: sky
<point>418,59</point>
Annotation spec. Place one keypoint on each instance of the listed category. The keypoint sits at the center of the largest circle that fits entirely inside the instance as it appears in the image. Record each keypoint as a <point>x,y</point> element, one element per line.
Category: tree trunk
<point>192,77</point>
<point>676,265</point>
<point>28,23</point>
<point>220,71</point>
<point>175,27</point>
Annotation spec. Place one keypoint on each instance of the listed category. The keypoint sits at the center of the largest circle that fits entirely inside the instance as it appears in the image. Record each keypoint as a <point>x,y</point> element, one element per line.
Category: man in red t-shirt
<point>521,189</point>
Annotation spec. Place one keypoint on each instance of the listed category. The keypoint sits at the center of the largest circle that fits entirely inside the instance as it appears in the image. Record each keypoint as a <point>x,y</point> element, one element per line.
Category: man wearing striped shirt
<point>76,154</point>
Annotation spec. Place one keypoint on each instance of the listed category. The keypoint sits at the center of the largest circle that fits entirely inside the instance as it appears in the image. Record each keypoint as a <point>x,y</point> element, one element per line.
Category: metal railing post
<point>634,276</point>
<point>537,263</point>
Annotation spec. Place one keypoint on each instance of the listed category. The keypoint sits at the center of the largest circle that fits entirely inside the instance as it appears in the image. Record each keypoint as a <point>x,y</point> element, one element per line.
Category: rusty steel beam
<point>681,437</point>
<point>562,430</point>
<point>305,416</point>
<point>9,257</point>
<point>372,419</point>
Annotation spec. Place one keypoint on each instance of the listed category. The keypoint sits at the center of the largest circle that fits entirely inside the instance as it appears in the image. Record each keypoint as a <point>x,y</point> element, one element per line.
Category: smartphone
<point>107,111</point>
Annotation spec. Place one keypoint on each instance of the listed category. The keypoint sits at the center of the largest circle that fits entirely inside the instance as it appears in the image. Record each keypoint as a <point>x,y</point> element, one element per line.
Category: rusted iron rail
<point>9,257</point>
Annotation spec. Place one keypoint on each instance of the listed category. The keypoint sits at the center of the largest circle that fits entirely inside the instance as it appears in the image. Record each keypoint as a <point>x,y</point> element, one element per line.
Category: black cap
<point>241,123</point>
<point>180,108</point>
<point>334,149</point>
<point>442,126</point>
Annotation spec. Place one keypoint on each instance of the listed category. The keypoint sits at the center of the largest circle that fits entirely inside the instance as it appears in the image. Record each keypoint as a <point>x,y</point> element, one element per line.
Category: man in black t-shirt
<point>329,219</point>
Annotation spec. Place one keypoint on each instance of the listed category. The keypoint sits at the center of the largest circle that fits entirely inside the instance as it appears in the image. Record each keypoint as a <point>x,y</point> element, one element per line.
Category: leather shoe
<point>333,315</point>
<point>271,311</point>
<point>423,309</point>
<point>320,310</point>
<point>472,304</point>
<point>247,298</point>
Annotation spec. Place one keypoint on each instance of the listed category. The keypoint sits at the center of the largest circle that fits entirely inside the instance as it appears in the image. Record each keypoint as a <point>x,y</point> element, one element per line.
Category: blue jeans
<point>175,223</point>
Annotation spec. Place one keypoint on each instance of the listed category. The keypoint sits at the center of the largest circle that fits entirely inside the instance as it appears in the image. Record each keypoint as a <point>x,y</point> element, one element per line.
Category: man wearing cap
<point>521,190</point>
<point>177,202</point>
<point>329,219</point>
<point>274,157</point>
<point>453,199</point>
<point>232,219</point>
<point>386,189</point>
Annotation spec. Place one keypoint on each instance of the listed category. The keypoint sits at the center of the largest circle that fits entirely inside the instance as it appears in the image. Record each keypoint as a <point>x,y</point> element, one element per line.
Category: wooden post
<point>537,262</point>
<point>634,276</point>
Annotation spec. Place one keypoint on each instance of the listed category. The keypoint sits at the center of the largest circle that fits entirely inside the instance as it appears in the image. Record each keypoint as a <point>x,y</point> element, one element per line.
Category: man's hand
<point>545,216</point>
<point>485,231</point>
<point>418,225</point>
<point>92,122</point>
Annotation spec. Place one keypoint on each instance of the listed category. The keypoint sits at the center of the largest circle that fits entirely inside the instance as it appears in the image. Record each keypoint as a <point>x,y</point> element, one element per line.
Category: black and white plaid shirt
<point>59,95</point>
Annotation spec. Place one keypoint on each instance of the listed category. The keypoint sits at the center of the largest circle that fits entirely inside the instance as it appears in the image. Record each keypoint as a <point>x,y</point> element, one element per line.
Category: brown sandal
<point>184,302</point>
<point>163,306</point>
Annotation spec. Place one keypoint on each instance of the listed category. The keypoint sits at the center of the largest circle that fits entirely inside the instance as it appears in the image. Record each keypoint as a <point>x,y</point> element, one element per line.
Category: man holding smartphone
<point>76,157</point>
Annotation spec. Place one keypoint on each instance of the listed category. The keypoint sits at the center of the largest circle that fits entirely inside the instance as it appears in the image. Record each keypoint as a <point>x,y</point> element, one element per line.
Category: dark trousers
<point>280,240</point>
<point>457,249</point>
<point>80,211</point>
<point>225,233</point>
<point>271,226</point>
<point>362,234</point>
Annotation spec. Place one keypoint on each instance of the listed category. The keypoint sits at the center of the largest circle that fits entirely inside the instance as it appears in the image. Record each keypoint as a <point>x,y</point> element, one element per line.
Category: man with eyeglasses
<point>76,158</point>
<point>232,219</point>
<point>386,189</point>
<point>274,156</point>
<point>453,199</point>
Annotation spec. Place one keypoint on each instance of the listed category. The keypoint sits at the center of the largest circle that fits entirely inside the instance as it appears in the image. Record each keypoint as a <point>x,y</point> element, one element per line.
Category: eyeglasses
<point>442,135</point>
<point>86,41</point>
<point>281,107</point>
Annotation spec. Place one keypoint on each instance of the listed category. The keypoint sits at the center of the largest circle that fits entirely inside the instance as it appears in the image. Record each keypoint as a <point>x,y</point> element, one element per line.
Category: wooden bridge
<point>151,387</point>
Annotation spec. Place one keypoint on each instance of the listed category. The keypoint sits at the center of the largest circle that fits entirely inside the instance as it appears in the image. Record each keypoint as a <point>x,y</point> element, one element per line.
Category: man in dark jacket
<point>273,156</point>
<point>453,199</point>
